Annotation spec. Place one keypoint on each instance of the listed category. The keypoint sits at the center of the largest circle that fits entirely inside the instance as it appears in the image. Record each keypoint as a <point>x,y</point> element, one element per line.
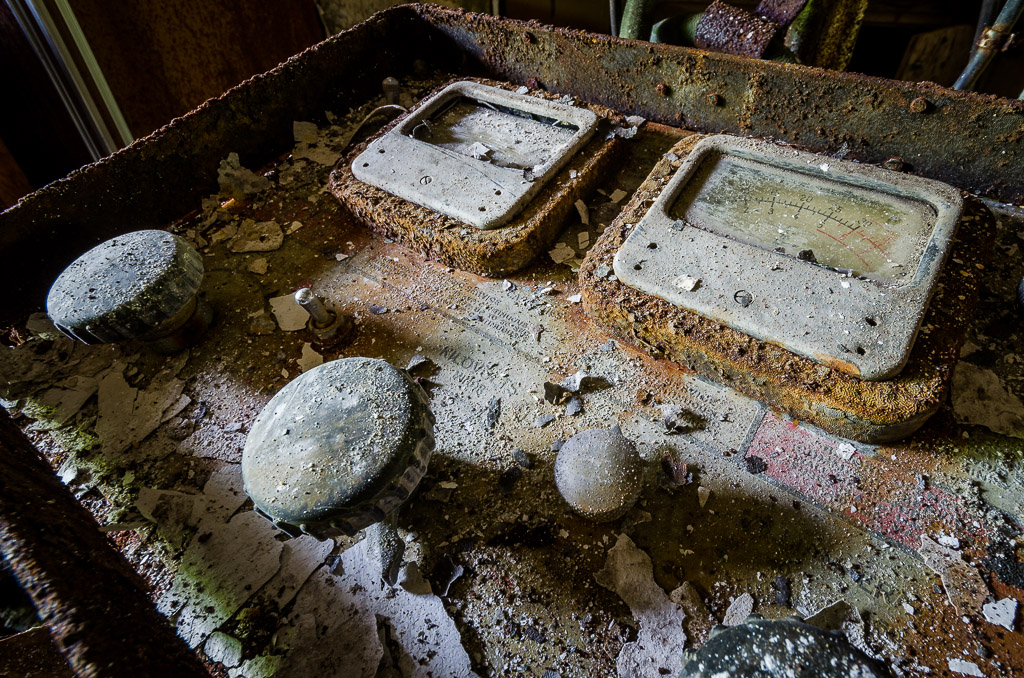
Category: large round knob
<point>141,285</point>
<point>786,648</point>
<point>338,448</point>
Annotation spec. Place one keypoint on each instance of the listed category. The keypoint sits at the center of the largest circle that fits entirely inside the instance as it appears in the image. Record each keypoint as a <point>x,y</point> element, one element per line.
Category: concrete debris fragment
<point>678,419</point>
<point>236,181</point>
<point>223,649</point>
<point>376,309</point>
<point>584,212</point>
<point>522,89</point>
<point>412,580</point>
<point>607,347</point>
<point>635,120</point>
<point>582,382</point>
<point>300,557</point>
<point>561,253</point>
<point>964,586</point>
<point>703,494</point>
<point>493,412</point>
<point>574,298</point>
<point>687,283</point>
<point>1001,612</point>
<point>965,668</point>
<point>522,458</point>
<point>617,195</point>
<point>309,358</point>
<point>947,540</point>
<point>574,406</point>
<point>223,566</point>
<point>658,649</point>
<point>258,266</point>
<point>418,362</point>
<point>507,285</point>
<point>543,420</point>
<point>981,399</point>
<point>294,226</point>
<point>308,145</point>
<point>478,151</point>
<point>227,233</point>
<point>289,315</point>
<point>257,236</point>
<point>698,620</point>
<point>845,451</point>
<point>739,609</point>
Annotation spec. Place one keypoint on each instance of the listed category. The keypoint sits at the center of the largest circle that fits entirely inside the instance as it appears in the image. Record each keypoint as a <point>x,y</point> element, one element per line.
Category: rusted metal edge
<point>973,141</point>
<point>163,176</point>
<point>869,411</point>
<point>83,590</point>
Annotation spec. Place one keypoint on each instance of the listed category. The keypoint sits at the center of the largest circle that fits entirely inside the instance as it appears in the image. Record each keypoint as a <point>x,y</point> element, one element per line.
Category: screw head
<point>743,298</point>
<point>919,105</point>
<point>426,179</point>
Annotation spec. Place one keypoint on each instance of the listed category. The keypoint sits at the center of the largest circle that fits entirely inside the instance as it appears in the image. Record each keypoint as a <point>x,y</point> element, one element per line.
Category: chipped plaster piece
<point>845,451</point>
<point>965,668</point>
<point>964,586</point>
<point>128,415</point>
<point>703,494</point>
<point>332,629</point>
<point>584,211</point>
<point>844,617</point>
<point>237,181</point>
<point>223,566</point>
<point>307,144</point>
<point>257,236</point>
<point>687,283</point>
<point>659,645</point>
<point>739,609</point>
<point>309,358</point>
<point>561,253</point>
<point>1001,612</point>
<point>223,649</point>
<point>980,398</point>
<point>617,195</point>
<point>289,315</point>
<point>258,266</point>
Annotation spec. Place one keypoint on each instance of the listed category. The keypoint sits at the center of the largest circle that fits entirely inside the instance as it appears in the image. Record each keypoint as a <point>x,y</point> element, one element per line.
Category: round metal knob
<point>141,285</point>
<point>786,648</point>
<point>338,448</point>
<point>599,473</point>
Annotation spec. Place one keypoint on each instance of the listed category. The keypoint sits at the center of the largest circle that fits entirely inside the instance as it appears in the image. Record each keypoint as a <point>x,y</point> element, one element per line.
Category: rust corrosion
<point>487,252</point>
<point>869,411</point>
<point>969,140</point>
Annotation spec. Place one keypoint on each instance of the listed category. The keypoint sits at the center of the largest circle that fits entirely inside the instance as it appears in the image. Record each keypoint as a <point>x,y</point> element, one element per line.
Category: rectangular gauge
<point>476,153</point>
<point>833,260</point>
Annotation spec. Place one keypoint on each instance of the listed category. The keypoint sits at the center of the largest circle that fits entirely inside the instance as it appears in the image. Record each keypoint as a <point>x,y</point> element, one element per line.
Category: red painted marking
<point>883,491</point>
<point>866,264</point>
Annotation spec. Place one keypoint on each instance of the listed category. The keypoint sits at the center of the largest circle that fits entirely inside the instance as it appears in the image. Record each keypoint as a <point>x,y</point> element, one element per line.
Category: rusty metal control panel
<point>833,260</point>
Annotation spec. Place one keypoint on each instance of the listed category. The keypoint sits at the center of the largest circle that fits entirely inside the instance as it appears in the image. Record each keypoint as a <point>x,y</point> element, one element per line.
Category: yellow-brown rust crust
<point>869,411</point>
<point>494,252</point>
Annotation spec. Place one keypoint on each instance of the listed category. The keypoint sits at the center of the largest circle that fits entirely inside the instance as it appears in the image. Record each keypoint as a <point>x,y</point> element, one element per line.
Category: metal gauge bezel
<point>866,328</point>
<point>473,191</point>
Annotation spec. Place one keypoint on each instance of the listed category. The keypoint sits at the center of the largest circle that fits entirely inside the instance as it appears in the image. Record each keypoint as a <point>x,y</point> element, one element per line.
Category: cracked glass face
<point>873,234</point>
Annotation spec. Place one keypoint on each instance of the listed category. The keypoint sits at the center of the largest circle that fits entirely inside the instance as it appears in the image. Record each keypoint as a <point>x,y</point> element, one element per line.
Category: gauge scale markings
<point>833,260</point>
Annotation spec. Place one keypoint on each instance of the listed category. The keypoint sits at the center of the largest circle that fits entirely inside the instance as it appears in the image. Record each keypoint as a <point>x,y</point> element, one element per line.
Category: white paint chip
<point>965,668</point>
<point>1002,613</point>
<point>659,644</point>
<point>289,315</point>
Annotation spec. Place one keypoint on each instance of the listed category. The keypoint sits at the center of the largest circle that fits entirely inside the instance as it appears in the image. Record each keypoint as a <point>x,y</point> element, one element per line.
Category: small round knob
<point>141,285</point>
<point>782,649</point>
<point>599,473</point>
<point>338,448</point>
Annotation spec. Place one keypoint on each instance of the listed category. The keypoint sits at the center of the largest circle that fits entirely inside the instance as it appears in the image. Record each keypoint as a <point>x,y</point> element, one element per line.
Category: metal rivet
<point>919,105</point>
<point>743,298</point>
